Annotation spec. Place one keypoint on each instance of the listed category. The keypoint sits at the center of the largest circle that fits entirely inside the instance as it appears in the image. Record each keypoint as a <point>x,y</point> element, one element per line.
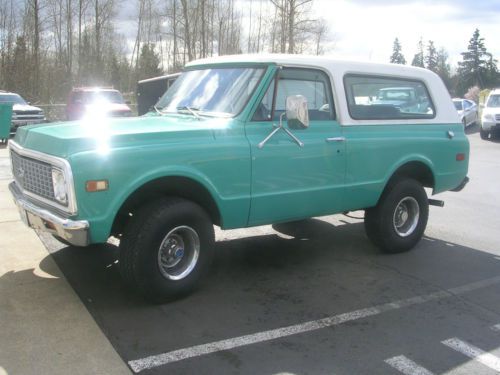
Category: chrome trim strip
<point>335,139</point>
<point>75,232</point>
<point>63,164</point>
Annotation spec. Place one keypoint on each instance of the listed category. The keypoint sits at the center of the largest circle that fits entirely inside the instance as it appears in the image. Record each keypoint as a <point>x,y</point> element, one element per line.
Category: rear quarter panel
<point>375,152</point>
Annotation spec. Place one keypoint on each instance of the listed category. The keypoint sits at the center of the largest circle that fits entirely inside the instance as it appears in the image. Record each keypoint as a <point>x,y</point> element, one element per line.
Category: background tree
<point>431,57</point>
<point>473,67</point>
<point>443,68</point>
<point>292,25</point>
<point>418,58</point>
<point>49,46</point>
<point>397,56</point>
<point>149,62</point>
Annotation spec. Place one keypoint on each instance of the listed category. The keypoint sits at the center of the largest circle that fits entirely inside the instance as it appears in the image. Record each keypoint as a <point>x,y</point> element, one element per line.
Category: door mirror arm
<point>277,129</point>
<point>297,113</point>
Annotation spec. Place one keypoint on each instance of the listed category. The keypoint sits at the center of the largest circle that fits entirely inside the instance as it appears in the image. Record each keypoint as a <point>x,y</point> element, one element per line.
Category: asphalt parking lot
<point>315,297</point>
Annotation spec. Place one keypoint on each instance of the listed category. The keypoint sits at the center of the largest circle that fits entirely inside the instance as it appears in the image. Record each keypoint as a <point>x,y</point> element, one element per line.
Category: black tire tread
<point>375,218</point>
<point>141,226</point>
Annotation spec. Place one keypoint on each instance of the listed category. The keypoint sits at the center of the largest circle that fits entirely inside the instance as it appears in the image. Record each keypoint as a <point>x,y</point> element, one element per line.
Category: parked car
<point>152,89</point>
<point>490,119</point>
<point>23,113</point>
<point>467,110</point>
<point>241,141</point>
<point>85,101</point>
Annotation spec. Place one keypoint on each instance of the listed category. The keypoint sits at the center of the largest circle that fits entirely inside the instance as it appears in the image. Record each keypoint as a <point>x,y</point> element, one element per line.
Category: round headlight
<point>59,184</point>
<point>488,117</point>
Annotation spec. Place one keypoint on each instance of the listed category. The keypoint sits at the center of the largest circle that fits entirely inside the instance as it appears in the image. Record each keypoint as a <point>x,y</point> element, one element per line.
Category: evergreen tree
<point>492,76</point>
<point>431,57</point>
<point>397,56</point>
<point>149,62</point>
<point>443,68</point>
<point>473,67</point>
<point>418,59</point>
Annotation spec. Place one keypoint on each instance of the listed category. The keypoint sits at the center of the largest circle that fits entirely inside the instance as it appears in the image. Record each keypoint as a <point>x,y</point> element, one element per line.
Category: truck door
<point>300,174</point>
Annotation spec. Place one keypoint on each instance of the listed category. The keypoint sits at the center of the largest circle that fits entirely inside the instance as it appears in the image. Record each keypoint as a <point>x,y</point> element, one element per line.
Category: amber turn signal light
<point>96,185</point>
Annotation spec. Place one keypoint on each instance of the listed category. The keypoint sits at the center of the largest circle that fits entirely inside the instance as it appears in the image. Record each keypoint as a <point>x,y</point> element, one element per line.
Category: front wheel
<point>166,249</point>
<point>398,221</point>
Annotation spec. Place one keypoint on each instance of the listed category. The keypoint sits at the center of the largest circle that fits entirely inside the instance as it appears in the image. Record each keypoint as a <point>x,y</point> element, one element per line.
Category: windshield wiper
<point>157,109</point>
<point>190,110</point>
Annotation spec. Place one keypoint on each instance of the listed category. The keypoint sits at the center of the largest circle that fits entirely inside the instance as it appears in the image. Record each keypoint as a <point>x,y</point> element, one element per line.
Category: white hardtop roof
<point>327,63</point>
<point>337,69</point>
<point>166,76</point>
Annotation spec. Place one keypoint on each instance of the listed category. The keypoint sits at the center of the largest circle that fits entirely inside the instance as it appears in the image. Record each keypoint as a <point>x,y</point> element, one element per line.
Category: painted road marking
<point>228,344</point>
<point>407,366</point>
<point>474,352</point>
<point>495,328</point>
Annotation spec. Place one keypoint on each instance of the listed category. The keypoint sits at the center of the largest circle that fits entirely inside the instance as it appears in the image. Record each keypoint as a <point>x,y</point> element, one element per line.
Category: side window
<point>313,84</point>
<point>467,104</point>
<point>380,98</point>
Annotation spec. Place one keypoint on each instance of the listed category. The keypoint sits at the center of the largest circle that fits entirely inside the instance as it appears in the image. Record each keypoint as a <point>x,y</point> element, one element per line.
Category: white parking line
<point>474,352</point>
<point>407,366</point>
<point>217,346</point>
<point>495,328</point>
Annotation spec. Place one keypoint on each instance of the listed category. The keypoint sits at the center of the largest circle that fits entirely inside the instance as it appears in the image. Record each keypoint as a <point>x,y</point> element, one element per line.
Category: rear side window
<point>383,98</point>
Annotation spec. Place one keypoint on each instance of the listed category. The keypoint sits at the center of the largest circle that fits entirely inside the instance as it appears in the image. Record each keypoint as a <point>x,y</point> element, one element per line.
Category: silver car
<point>467,110</point>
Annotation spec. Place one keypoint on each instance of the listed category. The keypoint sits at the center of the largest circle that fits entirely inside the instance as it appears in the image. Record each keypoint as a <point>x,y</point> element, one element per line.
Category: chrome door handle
<point>335,139</point>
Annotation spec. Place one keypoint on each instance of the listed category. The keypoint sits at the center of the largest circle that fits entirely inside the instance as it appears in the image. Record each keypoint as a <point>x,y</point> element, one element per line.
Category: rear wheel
<point>483,133</point>
<point>398,221</point>
<point>166,249</point>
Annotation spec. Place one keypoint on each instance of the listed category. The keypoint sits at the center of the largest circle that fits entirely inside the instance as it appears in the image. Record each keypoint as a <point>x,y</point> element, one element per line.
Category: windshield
<point>12,98</point>
<point>458,105</point>
<point>493,101</point>
<point>92,97</point>
<point>216,91</point>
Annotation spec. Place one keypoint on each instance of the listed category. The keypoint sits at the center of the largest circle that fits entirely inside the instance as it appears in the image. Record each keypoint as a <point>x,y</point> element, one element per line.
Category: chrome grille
<point>497,117</point>
<point>33,175</point>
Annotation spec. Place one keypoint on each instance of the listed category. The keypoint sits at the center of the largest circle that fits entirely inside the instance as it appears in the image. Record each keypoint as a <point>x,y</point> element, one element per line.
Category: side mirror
<point>297,113</point>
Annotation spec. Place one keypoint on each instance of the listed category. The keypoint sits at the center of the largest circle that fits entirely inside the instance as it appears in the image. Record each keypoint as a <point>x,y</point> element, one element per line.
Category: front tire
<point>398,221</point>
<point>166,249</point>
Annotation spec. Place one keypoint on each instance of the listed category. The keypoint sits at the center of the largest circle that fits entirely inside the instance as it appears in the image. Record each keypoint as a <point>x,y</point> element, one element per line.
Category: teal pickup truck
<point>241,141</point>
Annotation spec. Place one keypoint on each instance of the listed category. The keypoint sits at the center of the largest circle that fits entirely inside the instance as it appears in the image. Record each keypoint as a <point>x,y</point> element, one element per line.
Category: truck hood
<point>25,108</point>
<point>67,138</point>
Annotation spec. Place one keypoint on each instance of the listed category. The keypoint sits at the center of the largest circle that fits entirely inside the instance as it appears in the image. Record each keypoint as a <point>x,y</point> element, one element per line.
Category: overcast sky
<point>365,29</point>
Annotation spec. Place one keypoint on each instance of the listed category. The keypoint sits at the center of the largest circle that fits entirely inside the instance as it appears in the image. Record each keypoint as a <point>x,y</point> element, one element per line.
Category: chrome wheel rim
<point>178,253</point>
<point>406,215</point>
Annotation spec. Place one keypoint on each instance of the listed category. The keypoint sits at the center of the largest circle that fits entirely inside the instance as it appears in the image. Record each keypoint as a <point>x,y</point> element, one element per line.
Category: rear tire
<point>166,249</point>
<point>398,221</point>
<point>483,133</point>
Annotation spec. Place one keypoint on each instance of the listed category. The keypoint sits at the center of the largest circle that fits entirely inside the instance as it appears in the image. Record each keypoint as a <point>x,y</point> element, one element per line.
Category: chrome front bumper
<point>74,232</point>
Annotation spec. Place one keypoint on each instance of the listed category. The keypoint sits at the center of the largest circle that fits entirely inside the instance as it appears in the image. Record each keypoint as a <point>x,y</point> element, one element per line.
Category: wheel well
<point>416,170</point>
<point>182,187</point>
